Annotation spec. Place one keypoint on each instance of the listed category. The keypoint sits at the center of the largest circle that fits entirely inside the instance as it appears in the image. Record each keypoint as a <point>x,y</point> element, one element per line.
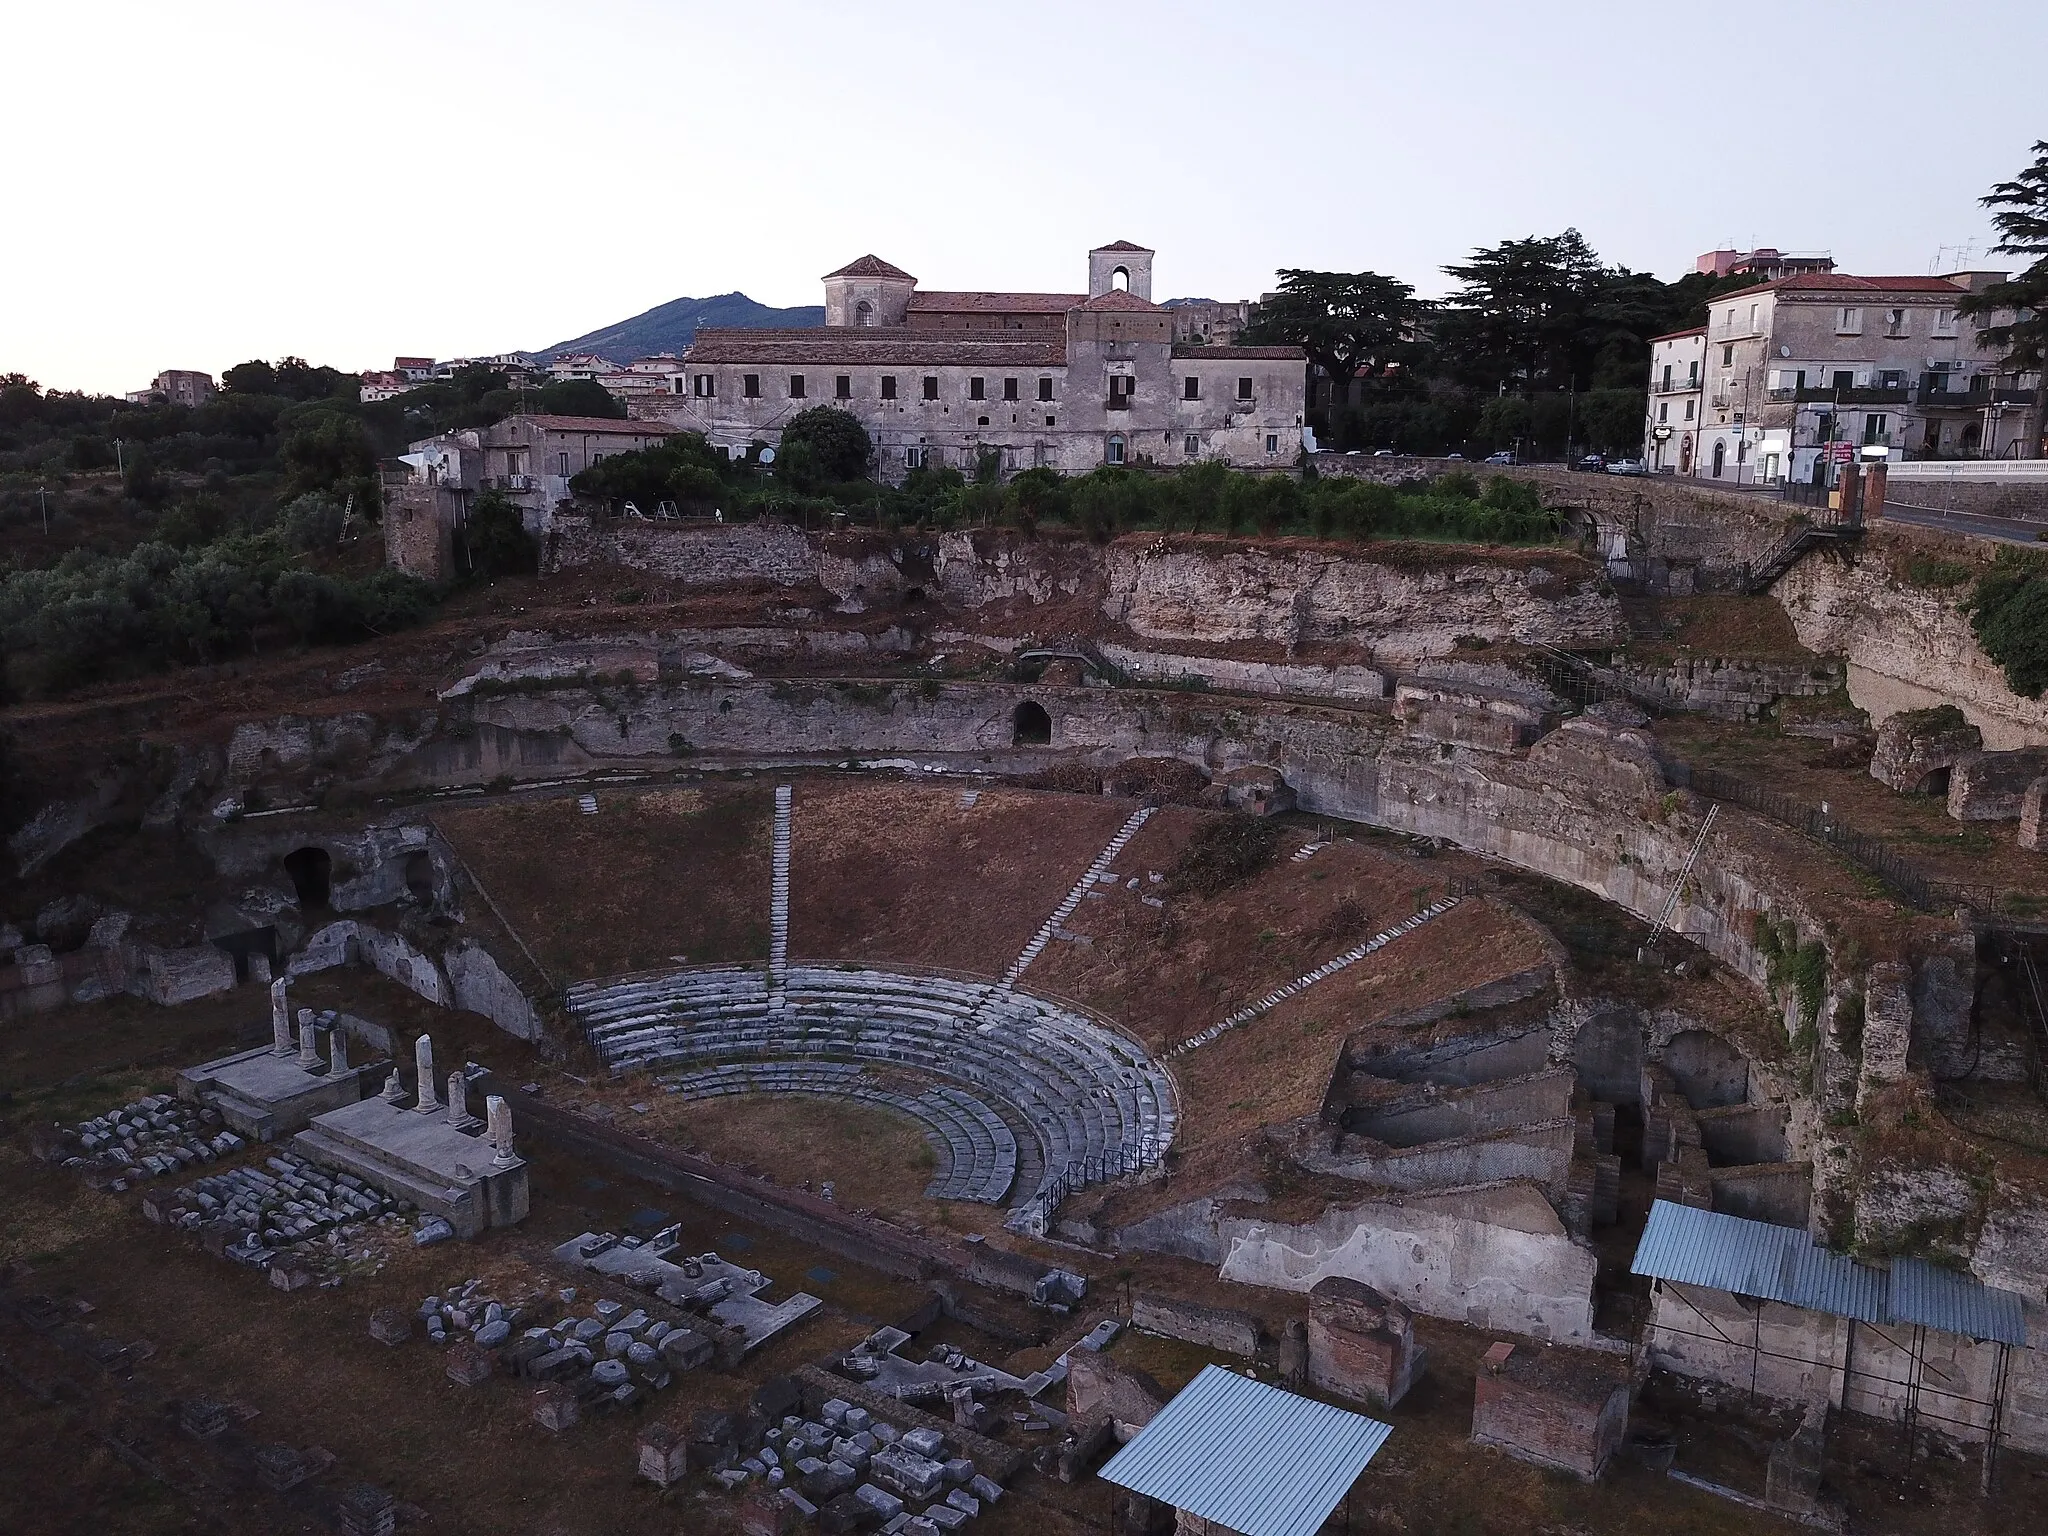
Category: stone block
<point>2032,804</point>
<point>1992,786</point>
<point>1792,1478</point>
<point>1552,1407</point>
<point>281,1467</point>
<point>555,1408</point>
<point>391,1325</point>
<point>1099,1388</point>
<point>904,1472</point>
<point>664,1455</point>
<point>770,1512</point>
<point>1361,1344</point>
<point>469,1365</point>
<point>1918,749</point>
<point>367,1510</point>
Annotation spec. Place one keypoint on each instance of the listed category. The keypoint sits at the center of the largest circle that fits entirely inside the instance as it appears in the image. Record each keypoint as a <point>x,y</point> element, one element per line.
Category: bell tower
<point>1121,265</point>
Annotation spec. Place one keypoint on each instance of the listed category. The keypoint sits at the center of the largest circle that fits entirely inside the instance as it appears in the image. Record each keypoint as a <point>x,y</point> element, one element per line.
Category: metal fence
<point>1112,1163</point>
<point>1899,875</point>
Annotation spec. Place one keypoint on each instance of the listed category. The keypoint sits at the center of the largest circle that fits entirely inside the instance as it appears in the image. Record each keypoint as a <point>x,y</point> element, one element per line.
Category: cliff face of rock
<point>1907,647</point>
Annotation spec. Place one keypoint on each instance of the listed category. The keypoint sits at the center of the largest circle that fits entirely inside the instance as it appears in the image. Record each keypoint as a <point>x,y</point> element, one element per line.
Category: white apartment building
<point>1671,435</point>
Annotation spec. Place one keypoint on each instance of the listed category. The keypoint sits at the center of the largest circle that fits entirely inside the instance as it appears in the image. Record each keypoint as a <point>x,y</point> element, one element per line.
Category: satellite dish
<point>767,455</point>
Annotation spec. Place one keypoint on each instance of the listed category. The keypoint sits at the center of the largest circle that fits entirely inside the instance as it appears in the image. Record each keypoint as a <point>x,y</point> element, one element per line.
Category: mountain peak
<point>671,327</point>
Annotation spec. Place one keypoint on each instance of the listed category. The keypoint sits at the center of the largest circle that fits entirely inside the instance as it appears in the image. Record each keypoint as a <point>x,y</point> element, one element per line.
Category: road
<point>2006,530</point>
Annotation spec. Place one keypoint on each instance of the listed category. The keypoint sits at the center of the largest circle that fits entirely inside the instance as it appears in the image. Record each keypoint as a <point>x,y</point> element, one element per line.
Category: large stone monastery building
<point>1065,380</point>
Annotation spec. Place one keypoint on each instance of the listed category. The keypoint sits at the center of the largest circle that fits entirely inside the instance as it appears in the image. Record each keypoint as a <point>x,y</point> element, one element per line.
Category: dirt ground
<point>1918,826</point>
<point>910,875</point>
<point>654,875</point>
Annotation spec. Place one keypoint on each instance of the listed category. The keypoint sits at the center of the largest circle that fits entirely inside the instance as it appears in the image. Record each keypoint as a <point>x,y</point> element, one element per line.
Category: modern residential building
<point>1801,371</point>
<point>1065,380</point>
<point>1677,381</point>
<point>580,365</point>
<point>1766,263</point>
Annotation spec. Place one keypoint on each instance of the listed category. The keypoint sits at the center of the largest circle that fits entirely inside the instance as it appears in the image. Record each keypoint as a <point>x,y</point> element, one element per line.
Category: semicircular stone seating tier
<point>1085,1095</point>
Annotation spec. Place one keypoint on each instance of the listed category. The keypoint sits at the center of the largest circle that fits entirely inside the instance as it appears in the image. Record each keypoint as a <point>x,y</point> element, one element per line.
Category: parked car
<point>1502,457</point>
<point>1454,458</point>
<point>1592,463</point>
<point>1384,453</point>
<point>1627,467</point>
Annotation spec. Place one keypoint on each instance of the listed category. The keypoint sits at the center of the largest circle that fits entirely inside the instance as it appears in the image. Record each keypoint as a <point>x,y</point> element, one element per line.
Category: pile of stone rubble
<point>864,1472</point>
<point>145,1140</point>
<point>276,1207</point>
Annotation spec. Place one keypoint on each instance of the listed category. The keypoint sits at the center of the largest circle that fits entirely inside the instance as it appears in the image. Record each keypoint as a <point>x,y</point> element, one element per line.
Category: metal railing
<point>1900,876</point>
<point>1035,1214</point>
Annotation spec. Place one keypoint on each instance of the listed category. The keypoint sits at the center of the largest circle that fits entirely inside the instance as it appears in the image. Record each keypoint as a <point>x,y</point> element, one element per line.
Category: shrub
<point>497,540</point>
<point>1224,853</point>
<point>2009,616</point>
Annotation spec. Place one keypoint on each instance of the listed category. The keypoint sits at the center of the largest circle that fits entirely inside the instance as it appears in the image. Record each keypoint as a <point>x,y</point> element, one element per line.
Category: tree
<point>1522,311</point>
<point>824,444</point>
<point>2019,306</point>
<point>326,449</point>
<point>497,540</point>
<point>1349,323</point>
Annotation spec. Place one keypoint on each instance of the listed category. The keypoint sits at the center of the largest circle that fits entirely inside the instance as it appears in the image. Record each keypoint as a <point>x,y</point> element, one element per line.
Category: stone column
<point>458,1098</point>
<point>280,1020</point>
<point>423,1067</point>
<point>394,1090</point>
<point>337,1051</point>
<point>499,1115</point>
<point>309,1041</point>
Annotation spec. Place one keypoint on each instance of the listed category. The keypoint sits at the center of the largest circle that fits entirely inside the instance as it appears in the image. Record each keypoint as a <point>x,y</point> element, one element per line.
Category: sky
<point>197,184</point>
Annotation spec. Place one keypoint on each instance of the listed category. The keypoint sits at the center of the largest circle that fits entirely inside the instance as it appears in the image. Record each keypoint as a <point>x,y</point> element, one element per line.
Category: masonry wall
<point>1468,1112</point>
<point>1451,1257</point>
<point>1542,1153</point>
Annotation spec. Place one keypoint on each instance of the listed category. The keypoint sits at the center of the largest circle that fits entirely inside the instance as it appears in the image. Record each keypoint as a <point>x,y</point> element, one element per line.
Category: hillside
<point>672,326</point>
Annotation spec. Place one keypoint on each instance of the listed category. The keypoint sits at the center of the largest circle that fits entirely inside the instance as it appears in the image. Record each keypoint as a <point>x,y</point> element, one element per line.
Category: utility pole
<point>120,465</point>
<point>44,494</point>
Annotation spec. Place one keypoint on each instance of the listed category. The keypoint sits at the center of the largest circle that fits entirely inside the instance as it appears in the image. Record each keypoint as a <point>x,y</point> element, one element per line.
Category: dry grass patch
<point>653,875</point>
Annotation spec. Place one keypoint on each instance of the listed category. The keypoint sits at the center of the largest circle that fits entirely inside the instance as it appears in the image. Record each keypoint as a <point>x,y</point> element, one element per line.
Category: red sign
<point>1841,453</point>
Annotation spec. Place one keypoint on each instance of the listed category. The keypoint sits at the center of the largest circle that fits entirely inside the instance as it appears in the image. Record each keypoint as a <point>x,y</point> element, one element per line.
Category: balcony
<point>510,483</point>
<point>1817,395</point>
<point>1677,386</point>
<point>1973,399</point>
<point>1118,403</point>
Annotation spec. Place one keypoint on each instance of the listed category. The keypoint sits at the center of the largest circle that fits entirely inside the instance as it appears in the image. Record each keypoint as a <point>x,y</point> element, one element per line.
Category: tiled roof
<point>1122,298</point>
<point>871,266</point>
<point>1245,354</point>
<point>1125,245</point>
<point>1694,330</point>
<point>1842,282</point>
<point>981,303</point>
<point>591,424</point>
<point>879,346</point>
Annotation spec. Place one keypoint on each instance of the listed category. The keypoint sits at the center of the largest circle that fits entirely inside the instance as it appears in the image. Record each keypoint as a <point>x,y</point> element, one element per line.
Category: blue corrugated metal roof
<point>1940,1298</point>
<point>1755,1258</point>
<point>1250,1457</point>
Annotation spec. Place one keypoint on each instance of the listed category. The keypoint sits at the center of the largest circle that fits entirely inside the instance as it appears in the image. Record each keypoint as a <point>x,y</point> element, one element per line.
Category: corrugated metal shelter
<point>1250,1457</point>
<point>1756,1259</point>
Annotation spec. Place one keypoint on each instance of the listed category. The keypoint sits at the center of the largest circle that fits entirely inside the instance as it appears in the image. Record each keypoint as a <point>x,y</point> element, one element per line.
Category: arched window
<point>1114,454</point>
<point>1120,279</point>
<point>1720,455</point>
<point>863,313</point>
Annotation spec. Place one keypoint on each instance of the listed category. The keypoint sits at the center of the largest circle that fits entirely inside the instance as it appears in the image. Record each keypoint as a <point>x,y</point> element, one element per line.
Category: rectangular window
<point>750,386</point>
<point>701,385</point>
<point>1891,378</point>
<point>1752,319</point>
<point>915,458</point>
<point>1849,321</point>
<point>1728,356</point>
<point>1191,388</point>
<point>974,390</point>
<point>1244,389</point>
<point>1944,322</point>
<point>1845,380</point>
<point>562,464</point>
<point>888,386</point>
<point>931,386</point>
<point>844,390</point>
<point>1875,428</point>
<point>1799,379</point>
<point>1049,421</point>
<point>1045,389</point>
<point>1272,442</point>
<point>1667,377</point>
<point>796,386</point>
<point>1114,453</point>
<point>1009,389</point>
<point>1692,375</point>
<point>1688,409</point>
<point>1663,410</point>
<point>1895,322</point>
<point>1192,447</point>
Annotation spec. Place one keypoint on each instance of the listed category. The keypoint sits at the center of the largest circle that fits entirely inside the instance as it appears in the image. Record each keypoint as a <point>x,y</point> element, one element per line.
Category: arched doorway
<point>419,877</point>
<point>1685,457</point>
<point>312,875</point>
<point>1031,726</point>
<point>1720,455</point>
<point>1708,1070</point>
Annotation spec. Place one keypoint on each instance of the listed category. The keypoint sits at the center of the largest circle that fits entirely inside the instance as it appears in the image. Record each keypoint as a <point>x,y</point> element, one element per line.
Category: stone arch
<point>419,876</point>
<point>1609,1053</point>
<point>863,313</point>
<point>1709,1070</point>
<point>1030,725</point>
<point>312,875</point>
<point>1120,279</point>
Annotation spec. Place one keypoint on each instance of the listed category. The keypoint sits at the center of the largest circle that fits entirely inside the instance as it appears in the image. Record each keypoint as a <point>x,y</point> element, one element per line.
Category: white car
<point>1627,467</point>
